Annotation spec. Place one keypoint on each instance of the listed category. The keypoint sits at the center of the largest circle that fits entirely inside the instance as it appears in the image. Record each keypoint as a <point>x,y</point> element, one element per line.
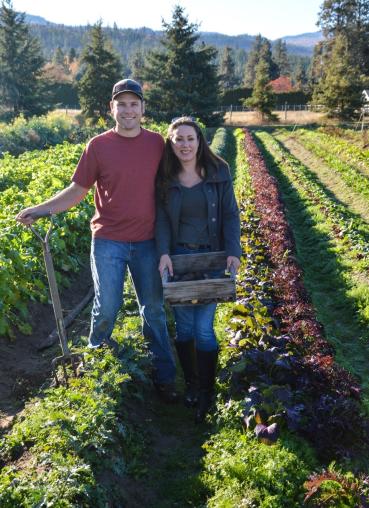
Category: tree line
<point>183,74</point>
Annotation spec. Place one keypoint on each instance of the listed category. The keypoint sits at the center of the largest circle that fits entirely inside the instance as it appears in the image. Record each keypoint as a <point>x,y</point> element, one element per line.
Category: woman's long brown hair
<point>170,165</point>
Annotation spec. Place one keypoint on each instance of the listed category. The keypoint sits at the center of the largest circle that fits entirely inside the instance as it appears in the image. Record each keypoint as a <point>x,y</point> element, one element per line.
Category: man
<point>122,164</point>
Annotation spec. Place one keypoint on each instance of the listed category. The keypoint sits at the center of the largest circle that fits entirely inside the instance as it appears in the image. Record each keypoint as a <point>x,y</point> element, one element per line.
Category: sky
<point>272,18</point>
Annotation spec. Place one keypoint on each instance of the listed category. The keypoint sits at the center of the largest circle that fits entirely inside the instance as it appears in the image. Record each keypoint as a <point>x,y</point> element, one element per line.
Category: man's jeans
<point>196,321</point>
<point>109,262</point>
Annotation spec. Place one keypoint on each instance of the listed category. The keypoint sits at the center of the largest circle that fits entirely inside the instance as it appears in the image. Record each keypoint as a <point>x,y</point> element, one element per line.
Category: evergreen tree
<point>339,89</point>
<point>59,57</point>
<point>351,19</point>
<point>299,77</point>
<point>261,50</point>
<point>263,98</point>
<point>280,58</point>
<point>137,65</point>
<point>72,55</point>
<point>102,68</point>
<point>22,89</point>
<point>252,61</point>
<point>181,75</point>
<point>227,77</point>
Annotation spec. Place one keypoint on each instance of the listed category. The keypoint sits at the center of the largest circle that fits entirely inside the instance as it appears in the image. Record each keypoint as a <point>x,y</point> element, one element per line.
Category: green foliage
<point>339,89</point>
<point>227,74</point>
<point>71,435</point>
<point>182,76</point>
<point>34,177</point>
<point>21,61</point>
<point>37,132</point>
<point>263,98</point>
<point>260,52</point>
<point>244,473</point>
<point>335,489</point>
<point>102,68</point>
<point>350,19</point>
<point>224,145</point>
<point>280,57</point>
<point>332,246</point>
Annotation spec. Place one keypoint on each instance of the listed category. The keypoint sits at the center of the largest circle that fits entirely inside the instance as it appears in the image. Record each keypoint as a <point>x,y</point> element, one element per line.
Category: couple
<point>191,197</point>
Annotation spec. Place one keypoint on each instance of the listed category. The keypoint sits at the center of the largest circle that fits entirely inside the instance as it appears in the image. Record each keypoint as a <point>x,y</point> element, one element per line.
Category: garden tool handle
<point>55,299</point>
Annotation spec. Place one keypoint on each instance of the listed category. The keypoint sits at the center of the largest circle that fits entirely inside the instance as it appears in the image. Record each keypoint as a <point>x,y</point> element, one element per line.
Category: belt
<point>194,246</point>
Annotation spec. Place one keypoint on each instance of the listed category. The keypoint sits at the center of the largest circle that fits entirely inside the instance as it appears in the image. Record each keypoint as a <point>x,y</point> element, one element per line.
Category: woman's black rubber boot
<point>207,365</point>
<point>187,359</point>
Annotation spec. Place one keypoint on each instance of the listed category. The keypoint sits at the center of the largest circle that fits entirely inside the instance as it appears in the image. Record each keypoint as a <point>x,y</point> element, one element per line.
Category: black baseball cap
<point>127,85</point>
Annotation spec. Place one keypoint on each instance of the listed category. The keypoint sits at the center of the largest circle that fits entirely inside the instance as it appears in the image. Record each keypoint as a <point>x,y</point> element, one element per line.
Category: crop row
<point>71,446</point>
<point>26,180</point>
<point>30,179</point>
<point>348,232</point>
<point>354,155</point>
<point>350,163</point>
<point>290,378</point>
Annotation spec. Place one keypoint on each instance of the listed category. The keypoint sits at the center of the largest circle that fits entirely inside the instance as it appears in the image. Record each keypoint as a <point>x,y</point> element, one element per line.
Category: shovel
<point>67,357</point>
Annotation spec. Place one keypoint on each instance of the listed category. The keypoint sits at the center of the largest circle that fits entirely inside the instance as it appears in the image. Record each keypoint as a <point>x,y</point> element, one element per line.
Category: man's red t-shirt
<point>123,171</point>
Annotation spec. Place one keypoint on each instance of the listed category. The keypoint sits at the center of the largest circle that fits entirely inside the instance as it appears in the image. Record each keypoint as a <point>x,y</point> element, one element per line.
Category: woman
<point>197,212</point>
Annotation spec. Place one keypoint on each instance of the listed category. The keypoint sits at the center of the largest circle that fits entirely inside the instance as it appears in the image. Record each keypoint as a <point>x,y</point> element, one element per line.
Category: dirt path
<point>328,177</point>
<point>169,474</point>
<point>23,368</point>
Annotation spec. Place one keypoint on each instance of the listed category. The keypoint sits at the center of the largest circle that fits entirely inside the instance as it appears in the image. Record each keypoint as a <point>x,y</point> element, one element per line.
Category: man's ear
<point>143,107</point>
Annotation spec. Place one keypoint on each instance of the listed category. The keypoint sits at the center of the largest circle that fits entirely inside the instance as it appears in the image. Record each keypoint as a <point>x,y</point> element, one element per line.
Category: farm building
<point>282,84</point>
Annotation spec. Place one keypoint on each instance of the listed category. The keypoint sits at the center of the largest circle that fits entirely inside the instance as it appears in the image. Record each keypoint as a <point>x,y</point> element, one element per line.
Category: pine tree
<point>102,68</point>
<point>227,77</point>
<point>137,65</point>
<point>280,58</point>
<point>252,61</point>
<point>182,76</point>
<point>263,98</point>
<point>340,88</point>
<point>299,77</point>
<point>72,55</point>
<point>22,89</point>
<point>59,57</point>
<point>261,50</point>
<point>351,19</point>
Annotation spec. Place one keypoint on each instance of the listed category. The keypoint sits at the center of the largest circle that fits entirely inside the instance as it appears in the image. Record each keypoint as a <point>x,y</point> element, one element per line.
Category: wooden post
<point>285,111</point>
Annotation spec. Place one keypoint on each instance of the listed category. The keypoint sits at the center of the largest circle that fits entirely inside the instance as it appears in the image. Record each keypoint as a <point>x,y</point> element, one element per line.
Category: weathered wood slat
<point>201,291</point>
<point>183,263</point>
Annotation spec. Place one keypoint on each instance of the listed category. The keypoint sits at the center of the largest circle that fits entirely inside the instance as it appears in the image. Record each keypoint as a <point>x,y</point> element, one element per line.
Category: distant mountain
<point>128,40</point>
<point>307,40</point>
<point>37,20</point>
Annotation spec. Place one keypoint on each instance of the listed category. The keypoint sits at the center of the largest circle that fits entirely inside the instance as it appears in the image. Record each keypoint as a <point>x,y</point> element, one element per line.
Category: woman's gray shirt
<point>223,214</point>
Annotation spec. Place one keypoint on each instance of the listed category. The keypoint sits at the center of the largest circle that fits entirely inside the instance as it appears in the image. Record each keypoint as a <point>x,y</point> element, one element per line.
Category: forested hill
<point>128,40</point>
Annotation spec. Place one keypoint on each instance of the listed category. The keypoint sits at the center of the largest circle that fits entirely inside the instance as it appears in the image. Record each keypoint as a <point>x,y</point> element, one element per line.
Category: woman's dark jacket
<point>223,214</point>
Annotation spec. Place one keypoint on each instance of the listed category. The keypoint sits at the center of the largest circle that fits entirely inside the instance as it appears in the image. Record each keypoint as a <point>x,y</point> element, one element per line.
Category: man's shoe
<point>167,392</point>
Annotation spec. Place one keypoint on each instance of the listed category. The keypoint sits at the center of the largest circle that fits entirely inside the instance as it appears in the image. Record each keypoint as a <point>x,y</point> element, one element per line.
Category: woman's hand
<point>233,262</point>
<point>165,262</point>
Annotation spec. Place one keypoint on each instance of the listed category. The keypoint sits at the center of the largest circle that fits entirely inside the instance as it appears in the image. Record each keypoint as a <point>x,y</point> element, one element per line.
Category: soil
<point>23,368</point>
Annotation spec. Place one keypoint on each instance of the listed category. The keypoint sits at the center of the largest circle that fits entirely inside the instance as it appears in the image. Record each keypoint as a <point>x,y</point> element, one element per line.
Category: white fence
<point>278,107</point>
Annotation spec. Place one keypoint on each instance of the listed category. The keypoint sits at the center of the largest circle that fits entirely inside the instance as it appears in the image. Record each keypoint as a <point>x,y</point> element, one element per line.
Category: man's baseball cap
<point>127,85</point>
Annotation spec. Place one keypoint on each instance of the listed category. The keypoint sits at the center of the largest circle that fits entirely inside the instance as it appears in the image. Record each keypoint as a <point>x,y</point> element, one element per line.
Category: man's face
<point>127,110</point>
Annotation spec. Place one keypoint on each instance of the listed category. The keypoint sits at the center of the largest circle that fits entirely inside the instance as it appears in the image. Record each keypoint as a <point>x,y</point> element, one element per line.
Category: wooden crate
<point>199,289</point>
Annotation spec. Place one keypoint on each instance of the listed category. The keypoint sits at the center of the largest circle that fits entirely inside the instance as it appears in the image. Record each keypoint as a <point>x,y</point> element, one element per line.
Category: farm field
<point>246,118</point>
<point>293,394</point>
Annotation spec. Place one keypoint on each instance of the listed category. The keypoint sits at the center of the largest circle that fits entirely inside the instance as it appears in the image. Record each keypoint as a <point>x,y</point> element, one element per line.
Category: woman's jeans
<point>195,321</point>
<point>109,262</point>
